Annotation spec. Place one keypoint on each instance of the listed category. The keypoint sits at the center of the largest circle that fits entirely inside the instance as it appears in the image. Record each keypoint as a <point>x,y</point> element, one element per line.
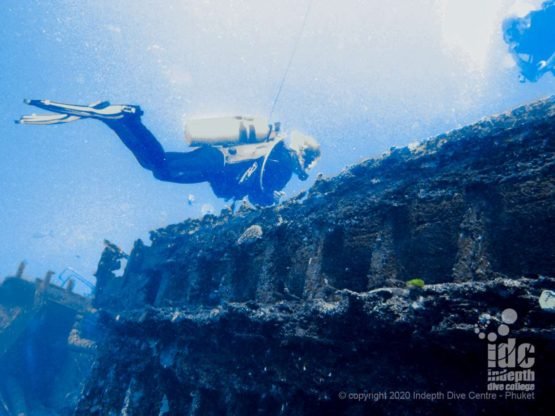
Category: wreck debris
<point>547,301</point>
<point>250,235</point>
<point>36,321</point>
<point>115,249</point>
<point>297,320</point>
<point>206,209</point>
<point>20,269</point>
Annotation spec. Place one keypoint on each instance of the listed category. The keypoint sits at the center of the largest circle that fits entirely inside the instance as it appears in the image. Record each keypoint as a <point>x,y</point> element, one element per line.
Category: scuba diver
<point>531,41</point>
<point>239,156</point>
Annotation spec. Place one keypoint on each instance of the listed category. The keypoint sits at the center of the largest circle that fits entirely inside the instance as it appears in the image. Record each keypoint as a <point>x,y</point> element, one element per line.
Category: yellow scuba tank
<point>227,131</point>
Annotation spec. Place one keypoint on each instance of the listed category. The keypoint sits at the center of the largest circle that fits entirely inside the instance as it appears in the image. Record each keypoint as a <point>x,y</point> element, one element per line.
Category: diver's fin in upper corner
<point>46,119</point>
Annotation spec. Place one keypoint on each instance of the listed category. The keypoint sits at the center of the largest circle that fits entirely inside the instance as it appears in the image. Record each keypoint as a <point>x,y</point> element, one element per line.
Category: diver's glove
<point>102,110</point>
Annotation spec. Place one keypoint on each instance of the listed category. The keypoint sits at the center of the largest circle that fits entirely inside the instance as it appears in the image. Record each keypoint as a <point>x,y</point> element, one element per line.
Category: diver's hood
<point>306,148</point>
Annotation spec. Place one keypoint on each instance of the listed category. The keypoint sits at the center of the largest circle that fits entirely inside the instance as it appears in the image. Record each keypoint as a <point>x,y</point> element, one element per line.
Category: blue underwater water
<point>359,76</point>
<point>365,76</point>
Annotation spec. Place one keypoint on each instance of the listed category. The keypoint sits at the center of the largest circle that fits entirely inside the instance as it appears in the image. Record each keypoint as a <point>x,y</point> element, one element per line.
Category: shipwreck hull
<point>311,306</point>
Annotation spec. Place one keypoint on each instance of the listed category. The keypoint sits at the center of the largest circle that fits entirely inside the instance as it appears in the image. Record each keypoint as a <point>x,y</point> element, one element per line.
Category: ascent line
<point>290,59</point>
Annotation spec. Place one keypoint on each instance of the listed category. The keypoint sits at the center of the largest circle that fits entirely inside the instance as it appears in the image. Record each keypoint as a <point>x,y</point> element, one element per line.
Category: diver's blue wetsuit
<point>207,164</point>
<point>255,169</point>
<point>531,40</point>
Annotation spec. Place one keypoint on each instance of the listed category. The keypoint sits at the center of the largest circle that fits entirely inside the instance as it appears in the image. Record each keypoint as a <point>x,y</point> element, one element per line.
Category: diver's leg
<point>125,120</point>
<point>184,167</point>
<point>142,143</point>
<point>200,165</point>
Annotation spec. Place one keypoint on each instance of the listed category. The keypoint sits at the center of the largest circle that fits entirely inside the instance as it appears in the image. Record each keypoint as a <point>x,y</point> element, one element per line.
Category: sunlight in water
<point>470,28</point>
